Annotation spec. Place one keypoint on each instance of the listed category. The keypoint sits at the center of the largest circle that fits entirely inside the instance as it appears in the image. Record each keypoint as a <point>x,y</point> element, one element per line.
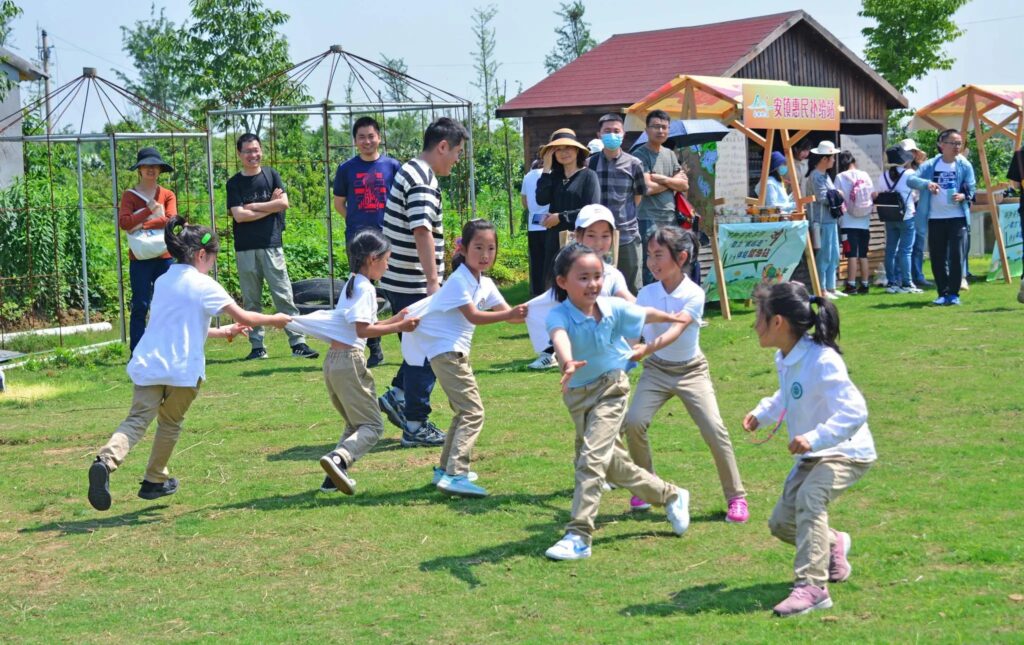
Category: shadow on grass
<point>714,598</point>
<point>278,370</point>
<point>544,535</point>
<point>142,516</point>
<point>996,310</point>
<point>909,304</point>
<point>314,452</point>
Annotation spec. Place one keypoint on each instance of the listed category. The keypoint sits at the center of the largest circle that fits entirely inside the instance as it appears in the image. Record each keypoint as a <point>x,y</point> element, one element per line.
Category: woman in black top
<point>566,186</point>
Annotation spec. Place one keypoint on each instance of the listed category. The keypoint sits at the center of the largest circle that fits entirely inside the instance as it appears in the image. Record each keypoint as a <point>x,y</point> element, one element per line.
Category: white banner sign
<point>756,253</point>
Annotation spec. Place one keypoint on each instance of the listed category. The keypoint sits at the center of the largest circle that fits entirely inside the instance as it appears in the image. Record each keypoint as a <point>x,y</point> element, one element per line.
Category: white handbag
<point>145,244</point>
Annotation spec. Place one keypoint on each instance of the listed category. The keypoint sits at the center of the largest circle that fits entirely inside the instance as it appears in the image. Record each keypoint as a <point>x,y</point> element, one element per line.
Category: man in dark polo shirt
<point>257,202</point>
<point>621,177</point>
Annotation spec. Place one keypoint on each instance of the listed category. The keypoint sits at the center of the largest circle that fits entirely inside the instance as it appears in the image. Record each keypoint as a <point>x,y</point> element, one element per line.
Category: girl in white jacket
<point>826,418</point>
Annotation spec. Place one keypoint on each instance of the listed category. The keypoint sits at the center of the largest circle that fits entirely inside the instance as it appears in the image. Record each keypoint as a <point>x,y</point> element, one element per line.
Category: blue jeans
<point>827,257</point>
<point>899,245</point>
<point>141,275</point>
<point>417,381</point>
<point>917,256</point>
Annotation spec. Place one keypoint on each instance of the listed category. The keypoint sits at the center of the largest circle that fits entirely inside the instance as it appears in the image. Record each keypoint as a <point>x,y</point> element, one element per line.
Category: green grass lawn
<point>249,551</point>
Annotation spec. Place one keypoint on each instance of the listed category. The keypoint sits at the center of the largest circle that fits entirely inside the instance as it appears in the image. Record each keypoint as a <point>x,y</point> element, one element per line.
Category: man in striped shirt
<point>414,224</point>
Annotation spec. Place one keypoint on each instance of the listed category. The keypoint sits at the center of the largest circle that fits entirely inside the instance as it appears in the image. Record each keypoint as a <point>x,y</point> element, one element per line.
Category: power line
<point>115,65</point>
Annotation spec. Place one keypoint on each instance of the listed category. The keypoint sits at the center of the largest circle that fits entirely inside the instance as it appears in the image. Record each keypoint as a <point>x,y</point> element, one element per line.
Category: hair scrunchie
<point>814,300</point>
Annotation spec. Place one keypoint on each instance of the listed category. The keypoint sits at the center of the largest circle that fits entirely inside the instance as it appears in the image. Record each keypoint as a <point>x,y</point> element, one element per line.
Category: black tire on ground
<point>316,290</point>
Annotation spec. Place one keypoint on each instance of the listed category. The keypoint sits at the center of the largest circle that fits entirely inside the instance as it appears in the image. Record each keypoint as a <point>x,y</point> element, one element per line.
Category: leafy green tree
<point>574,38</point>
<point>484,61</point>
<point>8,12</point>
<point>230,53</point>
<point>909,38</point>
<point>152,54</point>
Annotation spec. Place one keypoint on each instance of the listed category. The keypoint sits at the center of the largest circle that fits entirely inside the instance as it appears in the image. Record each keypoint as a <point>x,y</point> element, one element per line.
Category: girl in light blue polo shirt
<point>592,336</point>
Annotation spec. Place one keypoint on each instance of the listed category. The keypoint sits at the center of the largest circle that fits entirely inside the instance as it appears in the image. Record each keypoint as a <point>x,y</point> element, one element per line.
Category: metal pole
<point>45,55</point>
<point>81,234</point>
<point>209,180</point>
<point>327,191</point>
<point>508,173</point>
<point>117,237</point>
<point>472,171</point>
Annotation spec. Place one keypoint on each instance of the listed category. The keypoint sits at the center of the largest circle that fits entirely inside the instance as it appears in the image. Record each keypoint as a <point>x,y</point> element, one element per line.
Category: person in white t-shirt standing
<point>856,187</point>
<point>168,365</point>
<point>535,230</point>
<point>679,368</point>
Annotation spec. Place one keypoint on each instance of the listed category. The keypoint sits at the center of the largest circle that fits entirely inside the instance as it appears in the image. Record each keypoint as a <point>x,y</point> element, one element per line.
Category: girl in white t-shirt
<point>679,368</point>
<point>468,298</point>
<point>595,227</point>
<point>168,363</point>
<point>826,419</point>
<point>349,383</point>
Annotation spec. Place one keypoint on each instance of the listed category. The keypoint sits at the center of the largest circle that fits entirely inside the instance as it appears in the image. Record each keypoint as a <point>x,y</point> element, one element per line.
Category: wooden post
<point>723,291</point>
<point>766,161</point>
<point>812,265</point>
<point>980,139</point>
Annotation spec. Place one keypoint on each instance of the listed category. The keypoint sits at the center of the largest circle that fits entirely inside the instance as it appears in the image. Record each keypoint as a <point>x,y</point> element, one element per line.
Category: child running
<point>468,298</point>
<point>679,369</point>
<point>589,333</point>
<point>168,364</point>
<point>595,227</point>
<point>826,418</point>
<point>349,383</point>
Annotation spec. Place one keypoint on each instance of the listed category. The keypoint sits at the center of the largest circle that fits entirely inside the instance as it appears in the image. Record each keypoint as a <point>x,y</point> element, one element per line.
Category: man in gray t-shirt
<point>664,177</point>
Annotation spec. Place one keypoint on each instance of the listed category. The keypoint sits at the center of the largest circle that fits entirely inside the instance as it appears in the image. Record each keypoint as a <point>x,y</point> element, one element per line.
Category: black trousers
<point>535,248</point>
<point>946,242</point>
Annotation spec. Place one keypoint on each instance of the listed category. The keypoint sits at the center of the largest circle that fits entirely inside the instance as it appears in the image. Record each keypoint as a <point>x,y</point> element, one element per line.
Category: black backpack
<point>889,203</point>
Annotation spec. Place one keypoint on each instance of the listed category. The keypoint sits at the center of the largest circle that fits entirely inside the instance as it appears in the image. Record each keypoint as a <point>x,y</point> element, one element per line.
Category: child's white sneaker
<point>678,511</point>
<point>570,547</point>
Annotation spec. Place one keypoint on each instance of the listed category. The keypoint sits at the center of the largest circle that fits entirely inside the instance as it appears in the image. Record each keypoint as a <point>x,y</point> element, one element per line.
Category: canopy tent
<point>988,110</point>
<point>722,99</point>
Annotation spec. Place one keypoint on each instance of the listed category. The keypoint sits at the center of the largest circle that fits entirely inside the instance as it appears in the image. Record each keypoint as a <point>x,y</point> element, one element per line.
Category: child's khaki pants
<point>455,375</point>
<point>354,395</point>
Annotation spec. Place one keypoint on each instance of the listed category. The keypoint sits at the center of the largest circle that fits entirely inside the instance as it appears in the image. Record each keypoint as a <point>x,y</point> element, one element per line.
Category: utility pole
<point>44,55</point>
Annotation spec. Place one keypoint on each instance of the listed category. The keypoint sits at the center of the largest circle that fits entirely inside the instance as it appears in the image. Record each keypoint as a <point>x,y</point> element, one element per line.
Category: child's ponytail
<point>801,309</point>
<point>184,240</point>
<point>826,322</point>
<point>368,244</point>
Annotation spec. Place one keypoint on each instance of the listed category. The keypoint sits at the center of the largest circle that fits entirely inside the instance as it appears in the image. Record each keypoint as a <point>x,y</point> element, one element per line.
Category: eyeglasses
<point>955,144</point>
<point>657,127</point>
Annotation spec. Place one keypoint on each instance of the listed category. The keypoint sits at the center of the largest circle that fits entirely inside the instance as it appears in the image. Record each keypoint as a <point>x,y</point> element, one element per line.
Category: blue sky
<point>436,41</point>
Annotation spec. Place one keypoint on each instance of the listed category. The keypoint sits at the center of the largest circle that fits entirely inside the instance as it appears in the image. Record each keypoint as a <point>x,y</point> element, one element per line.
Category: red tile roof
<point>652,58</point>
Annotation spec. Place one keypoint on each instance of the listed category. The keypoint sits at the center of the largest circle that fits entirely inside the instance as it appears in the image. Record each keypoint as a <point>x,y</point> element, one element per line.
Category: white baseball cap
<point>825,148</point>
<point>592,214</point>
<point>595,146</point>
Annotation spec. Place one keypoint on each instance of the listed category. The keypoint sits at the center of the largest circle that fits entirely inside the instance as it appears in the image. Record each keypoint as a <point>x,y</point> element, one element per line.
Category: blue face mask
<point>783,170</point>
<point>611,140</point>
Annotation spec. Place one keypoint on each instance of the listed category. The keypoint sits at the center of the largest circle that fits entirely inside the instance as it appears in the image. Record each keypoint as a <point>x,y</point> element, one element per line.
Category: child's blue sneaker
<point>439,473</point>
<point>570,547</point>
<point>952,300</point>
<point>460,486</point>
<point>940,301</point>
<point>678,511</point>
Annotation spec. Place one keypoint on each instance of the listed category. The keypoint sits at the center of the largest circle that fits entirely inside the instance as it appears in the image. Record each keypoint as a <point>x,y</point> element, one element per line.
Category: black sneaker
<point>337,471</point>
<point>149,490</point>
<point>99,485</point>
<point>392,409</point>
<point>328,486</point>
<point>426,435</point>
<point>257,353</point>
<point>864,288</point>
<point>376,353</point>
<point>302,350</point>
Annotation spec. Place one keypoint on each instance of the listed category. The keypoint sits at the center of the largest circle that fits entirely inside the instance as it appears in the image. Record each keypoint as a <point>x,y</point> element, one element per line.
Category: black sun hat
<point>151,157</point>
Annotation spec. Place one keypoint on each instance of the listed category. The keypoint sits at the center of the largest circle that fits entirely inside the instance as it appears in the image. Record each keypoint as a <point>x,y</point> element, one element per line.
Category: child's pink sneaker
<point>637,504</point>
<point>838,566</point>
<point>738,513</point>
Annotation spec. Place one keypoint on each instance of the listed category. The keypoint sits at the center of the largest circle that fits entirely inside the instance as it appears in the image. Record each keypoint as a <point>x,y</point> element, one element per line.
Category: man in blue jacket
<point>947,187</point>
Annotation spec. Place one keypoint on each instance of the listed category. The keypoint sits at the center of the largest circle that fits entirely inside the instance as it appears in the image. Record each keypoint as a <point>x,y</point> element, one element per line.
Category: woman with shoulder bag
<point>821,164</point>
<point>145,210</point>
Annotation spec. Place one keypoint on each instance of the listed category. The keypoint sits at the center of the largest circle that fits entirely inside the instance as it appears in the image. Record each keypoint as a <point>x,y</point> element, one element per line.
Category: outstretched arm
<point>501,313</point>
<point>254,319</point>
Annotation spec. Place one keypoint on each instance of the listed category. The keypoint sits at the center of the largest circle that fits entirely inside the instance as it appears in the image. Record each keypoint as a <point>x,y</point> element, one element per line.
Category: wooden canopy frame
<point>721,98</point>
<point>968,108</point>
